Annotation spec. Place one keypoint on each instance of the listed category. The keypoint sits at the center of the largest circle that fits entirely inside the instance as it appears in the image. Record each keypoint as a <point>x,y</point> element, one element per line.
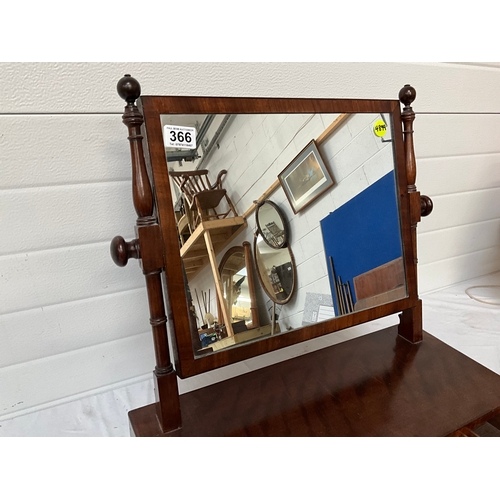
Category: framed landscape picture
<point>305,178</point>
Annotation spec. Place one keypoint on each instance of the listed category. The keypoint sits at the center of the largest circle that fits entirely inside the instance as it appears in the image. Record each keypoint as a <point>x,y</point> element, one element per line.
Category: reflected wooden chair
<point>203,198</point>
<point>183,228</point>
<point>185,224</point>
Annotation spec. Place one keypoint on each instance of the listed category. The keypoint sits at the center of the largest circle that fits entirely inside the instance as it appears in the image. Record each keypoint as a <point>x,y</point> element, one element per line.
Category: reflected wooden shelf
<point>194,252</point>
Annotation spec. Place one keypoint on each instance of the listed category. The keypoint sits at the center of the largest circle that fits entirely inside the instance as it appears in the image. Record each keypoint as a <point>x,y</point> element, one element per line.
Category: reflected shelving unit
<point>195,252</point>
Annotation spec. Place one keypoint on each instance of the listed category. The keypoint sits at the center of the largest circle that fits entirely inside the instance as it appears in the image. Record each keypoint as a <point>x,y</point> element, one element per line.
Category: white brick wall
<point>72,322</point>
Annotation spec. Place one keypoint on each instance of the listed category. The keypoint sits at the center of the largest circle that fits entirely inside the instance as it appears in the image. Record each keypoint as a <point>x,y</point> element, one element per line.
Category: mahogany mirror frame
<point>158,248</point>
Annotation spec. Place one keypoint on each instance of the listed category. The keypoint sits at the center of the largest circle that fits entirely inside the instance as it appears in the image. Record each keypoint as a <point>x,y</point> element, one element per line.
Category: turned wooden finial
<point>407,95</point>
<point>426,206</point>
<point>128,88</point>
<point>122,251</point>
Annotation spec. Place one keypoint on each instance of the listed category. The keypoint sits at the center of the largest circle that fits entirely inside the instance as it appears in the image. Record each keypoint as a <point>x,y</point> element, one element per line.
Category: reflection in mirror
<point>271,224</point>
<point>345,234</point>
<point>239,300</point>
<point>275,269</point>
<point>238,286</point>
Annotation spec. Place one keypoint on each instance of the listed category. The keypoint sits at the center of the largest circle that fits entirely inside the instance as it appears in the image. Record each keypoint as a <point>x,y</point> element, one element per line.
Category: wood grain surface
<point>376,385</point>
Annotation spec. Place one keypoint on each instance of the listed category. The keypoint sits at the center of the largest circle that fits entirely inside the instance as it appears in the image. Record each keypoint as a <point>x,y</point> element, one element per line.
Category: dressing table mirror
<point>325,189</point>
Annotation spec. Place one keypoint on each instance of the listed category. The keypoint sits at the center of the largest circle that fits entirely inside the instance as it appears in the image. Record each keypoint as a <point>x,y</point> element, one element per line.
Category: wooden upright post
<point>218,284</point>
<point>147,247</point>
<point>254,313</point>
<point>410,326</point>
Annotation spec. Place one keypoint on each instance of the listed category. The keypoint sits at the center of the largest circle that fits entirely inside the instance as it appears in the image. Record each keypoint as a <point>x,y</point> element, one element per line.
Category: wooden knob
<point>407,95</point>
<point>122,250</point>
<point>128,88</point>
<point>426,206</point>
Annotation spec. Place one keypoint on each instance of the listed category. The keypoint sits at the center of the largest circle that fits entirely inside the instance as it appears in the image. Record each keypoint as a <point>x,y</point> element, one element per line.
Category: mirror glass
<point>238,288</point>
<point>276,270</point>
<point>235,286</point>
<point>332,176</point>
<point>271,224</point>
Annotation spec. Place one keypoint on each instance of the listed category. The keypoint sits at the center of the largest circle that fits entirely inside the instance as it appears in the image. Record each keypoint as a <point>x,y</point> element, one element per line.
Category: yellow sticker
<point>379,128</point>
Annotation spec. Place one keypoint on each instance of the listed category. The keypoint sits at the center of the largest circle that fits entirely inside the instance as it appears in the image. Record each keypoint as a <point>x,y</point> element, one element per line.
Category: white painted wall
<point>71,322</point>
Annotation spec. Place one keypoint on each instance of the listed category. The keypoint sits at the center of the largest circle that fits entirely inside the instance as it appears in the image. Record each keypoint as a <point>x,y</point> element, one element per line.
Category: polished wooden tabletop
<point>375,385</point>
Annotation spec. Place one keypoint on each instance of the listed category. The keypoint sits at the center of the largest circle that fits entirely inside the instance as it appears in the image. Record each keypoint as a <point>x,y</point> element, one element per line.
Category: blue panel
<point>363,233</point>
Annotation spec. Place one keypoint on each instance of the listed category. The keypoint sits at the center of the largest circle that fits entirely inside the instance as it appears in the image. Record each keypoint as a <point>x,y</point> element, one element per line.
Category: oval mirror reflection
<point>272,224</point>
<point>238,287</point>
<point>275,269</point>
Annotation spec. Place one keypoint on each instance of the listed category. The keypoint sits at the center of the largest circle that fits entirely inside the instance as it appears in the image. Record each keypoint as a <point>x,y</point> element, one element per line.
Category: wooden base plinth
<point>375,385</point>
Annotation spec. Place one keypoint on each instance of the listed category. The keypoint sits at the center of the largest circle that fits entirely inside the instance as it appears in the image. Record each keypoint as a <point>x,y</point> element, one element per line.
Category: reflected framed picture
<point>305,178</point>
